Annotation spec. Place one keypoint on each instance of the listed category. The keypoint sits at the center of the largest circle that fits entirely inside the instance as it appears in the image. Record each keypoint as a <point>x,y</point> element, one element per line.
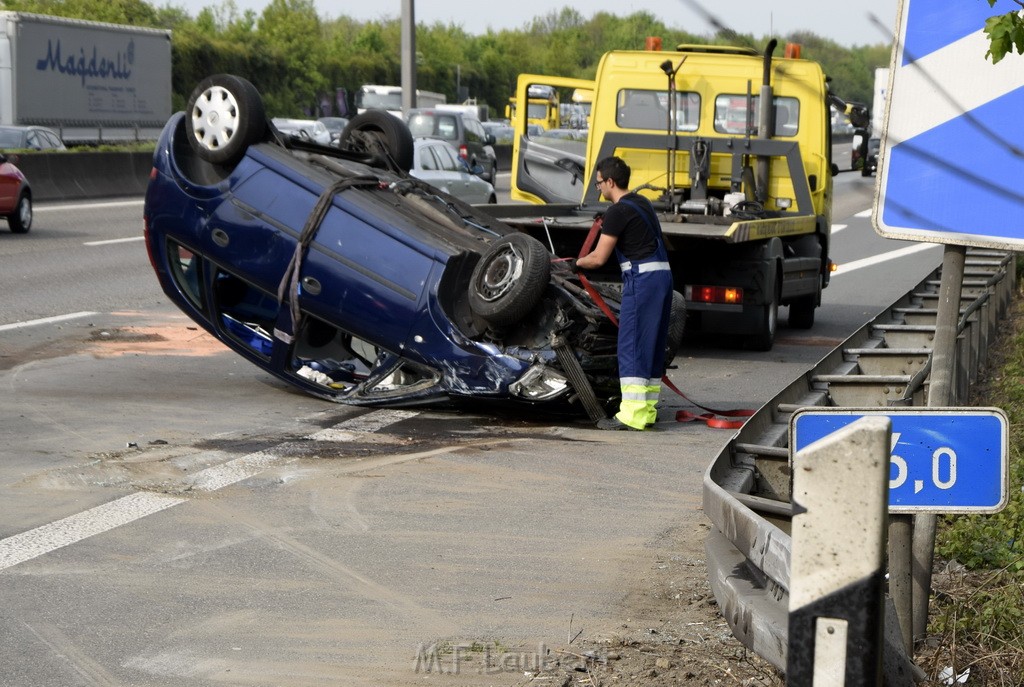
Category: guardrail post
<point>940,393</point>
<point>840,506</point>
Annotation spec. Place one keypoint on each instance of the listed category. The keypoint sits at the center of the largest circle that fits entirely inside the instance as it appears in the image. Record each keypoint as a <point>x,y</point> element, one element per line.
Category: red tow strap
<point>712,418</point>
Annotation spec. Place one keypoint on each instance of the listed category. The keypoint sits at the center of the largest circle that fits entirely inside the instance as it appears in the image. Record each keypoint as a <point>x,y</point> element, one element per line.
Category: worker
<point>632,231</point>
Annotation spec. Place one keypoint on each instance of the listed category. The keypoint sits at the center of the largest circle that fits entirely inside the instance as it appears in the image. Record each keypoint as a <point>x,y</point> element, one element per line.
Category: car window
<point>448,159</point>
<point>474,132</point>
<point>427,160</point>
<point>51,140</point>
<point>32,141</point>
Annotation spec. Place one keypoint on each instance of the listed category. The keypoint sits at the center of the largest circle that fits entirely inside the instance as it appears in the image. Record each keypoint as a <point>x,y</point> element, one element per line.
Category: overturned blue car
<point>334,270</point>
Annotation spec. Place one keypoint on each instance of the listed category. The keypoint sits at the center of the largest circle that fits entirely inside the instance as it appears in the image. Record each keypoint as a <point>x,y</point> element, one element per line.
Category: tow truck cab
<point>744,192</point>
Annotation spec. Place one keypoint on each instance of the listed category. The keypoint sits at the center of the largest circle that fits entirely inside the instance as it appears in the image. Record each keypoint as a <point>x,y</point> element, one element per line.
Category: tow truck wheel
<point>509,279</point>
<point>224,117</point>
<point>764,337</point>
<point>801,312</point>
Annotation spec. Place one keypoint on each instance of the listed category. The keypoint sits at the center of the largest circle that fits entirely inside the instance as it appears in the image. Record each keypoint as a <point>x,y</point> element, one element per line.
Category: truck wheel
<point>509,279</point>
<point>225,117</point>
<point>801,312</point>
<point>764,337</point>
<point>20,221</point>
<point>368,131</point>
<point>676,327</point>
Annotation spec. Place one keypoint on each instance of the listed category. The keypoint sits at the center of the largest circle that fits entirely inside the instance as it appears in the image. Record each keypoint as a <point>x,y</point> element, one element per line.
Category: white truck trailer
<point>91,81</point>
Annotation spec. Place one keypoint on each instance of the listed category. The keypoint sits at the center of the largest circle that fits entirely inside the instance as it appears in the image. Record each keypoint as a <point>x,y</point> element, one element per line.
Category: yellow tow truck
<point>732,146</point>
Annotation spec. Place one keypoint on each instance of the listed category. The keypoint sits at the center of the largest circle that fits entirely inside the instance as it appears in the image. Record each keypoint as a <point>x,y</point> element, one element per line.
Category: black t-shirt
<point>636,239</point>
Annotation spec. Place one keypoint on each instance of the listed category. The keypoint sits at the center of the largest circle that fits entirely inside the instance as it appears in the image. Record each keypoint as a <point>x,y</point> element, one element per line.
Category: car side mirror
<point>476,169</point>
<point>835,169</point>
<point>490,140</point>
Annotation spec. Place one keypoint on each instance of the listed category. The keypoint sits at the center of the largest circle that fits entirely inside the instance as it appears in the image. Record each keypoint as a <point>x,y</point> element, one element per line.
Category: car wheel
<point>509,279</point>
<point>225,116</point>
<point>367,131</point>
<point>676,327</point>
<point>494,171</point>
<point>20,221</point>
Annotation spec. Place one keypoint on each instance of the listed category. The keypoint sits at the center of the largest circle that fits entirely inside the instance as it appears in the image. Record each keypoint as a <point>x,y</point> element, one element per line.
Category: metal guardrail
<point>747,487</point>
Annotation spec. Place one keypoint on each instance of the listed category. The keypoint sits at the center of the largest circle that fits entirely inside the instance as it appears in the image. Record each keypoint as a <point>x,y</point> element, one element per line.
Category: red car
<point>15,197</point>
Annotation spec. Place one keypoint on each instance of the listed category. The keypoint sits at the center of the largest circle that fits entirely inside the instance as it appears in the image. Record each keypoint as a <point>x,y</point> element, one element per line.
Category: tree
<point>1005,32</point>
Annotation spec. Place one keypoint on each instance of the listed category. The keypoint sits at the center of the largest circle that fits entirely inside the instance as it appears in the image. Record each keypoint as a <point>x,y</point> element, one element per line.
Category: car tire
<point>801,312</point>
<point>20,221</point>
<point>225,115</point>
<point>676,327</point>
<point>387,129</point>
<point>509,279</point>
<point>493,174</point>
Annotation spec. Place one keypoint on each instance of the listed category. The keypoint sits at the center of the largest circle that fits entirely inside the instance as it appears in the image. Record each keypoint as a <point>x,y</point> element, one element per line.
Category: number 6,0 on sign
<point>942,460</point>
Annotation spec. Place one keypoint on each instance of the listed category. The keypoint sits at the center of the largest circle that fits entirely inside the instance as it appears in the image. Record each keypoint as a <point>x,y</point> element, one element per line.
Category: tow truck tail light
<point>728,295</point>
<point>463,152</point>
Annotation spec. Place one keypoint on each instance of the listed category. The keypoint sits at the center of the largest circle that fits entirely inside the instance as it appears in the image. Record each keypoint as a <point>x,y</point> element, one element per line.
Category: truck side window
<point>731,115</point>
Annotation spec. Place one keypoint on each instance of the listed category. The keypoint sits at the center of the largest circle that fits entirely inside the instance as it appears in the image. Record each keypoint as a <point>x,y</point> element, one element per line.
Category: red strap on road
<point>712,418</point>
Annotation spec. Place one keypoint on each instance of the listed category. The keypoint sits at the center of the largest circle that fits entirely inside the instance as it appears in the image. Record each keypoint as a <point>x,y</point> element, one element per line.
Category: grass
<point>977,610</point>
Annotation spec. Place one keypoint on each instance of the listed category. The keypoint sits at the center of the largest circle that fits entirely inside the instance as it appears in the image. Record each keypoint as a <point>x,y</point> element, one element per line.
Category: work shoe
<point>614,423</point>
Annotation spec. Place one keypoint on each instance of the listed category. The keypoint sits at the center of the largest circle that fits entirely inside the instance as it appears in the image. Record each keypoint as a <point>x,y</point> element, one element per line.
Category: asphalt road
<point>170,515</point>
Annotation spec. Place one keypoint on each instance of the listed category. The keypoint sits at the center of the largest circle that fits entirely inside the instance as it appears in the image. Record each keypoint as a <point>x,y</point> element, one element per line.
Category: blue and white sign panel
<point>942,460</point>
<point>952,155</point>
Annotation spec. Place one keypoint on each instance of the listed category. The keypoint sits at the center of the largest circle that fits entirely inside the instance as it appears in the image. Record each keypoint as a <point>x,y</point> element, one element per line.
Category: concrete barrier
<point>74,176</point>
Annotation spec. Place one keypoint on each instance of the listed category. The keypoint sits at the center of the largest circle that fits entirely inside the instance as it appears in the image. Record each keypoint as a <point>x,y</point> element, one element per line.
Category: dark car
<point>29,138</point>
<point>466,134</point>
<point>15,197</point>
<point>871,157</point>
<point>333,269</point>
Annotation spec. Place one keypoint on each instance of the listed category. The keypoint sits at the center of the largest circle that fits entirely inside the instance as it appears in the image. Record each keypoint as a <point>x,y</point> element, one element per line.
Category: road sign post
<point>950,153</point>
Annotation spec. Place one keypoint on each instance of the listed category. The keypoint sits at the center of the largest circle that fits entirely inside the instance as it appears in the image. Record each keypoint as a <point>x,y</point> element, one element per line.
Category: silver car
<point>438,163</point>
<point>308,129</point>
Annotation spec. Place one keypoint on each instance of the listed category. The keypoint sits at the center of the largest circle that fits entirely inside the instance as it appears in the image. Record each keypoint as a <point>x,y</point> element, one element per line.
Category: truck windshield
<point>636,109</point>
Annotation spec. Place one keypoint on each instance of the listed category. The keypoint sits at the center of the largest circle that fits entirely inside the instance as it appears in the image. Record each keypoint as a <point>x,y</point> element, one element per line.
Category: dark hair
<point>615,169</point>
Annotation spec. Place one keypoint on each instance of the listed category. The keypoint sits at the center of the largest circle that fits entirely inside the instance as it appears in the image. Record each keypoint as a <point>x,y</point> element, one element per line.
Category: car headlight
<point>539,383</point>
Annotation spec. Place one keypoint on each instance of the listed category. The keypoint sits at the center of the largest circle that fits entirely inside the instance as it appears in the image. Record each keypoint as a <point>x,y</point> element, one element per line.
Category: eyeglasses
<point>599,182</point>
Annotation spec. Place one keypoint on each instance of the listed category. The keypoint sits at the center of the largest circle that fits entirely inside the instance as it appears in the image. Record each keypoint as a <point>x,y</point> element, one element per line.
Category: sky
<point>847,23</point>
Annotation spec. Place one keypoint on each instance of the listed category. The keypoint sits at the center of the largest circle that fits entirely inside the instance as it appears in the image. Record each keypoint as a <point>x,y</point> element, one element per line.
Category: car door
<point>10,185</point>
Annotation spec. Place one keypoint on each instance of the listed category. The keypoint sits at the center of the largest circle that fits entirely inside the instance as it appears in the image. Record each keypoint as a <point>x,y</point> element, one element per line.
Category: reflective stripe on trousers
<point>639,405</point>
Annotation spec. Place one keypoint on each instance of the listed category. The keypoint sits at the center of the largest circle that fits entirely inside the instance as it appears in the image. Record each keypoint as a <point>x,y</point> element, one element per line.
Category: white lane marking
<point>45,320</point>
<point>847,267</point>
<point>836,228</point>
<point>74,528</point>
<point>109,241</point>
<point>33,543</point>
<point>89,206</point>
<point>864,213</point>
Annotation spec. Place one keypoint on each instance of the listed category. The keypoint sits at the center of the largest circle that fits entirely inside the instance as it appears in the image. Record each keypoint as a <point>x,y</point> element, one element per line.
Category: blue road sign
<point>943,460</point>
<point>952,149</point>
